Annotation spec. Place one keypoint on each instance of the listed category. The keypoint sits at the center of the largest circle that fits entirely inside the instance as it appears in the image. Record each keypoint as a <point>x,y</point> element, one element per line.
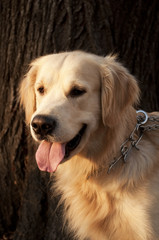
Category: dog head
<point>68,96</point>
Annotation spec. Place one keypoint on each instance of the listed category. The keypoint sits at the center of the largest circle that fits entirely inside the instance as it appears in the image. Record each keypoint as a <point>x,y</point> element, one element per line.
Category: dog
<point>81,109</point>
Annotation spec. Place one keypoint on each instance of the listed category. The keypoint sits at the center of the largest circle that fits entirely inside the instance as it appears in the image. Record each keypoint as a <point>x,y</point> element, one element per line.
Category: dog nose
<point>43,125</point>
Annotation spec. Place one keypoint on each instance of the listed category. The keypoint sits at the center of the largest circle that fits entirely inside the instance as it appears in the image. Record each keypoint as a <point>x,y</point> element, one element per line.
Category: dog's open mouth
<point>71,145</point>
<point>49,155</point>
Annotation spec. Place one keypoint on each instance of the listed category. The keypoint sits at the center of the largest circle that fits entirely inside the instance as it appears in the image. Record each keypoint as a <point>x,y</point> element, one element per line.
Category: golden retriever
<point>80,108</point>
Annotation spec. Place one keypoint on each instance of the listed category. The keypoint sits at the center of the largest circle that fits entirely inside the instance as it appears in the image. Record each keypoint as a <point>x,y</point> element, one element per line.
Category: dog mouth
<point>72,144</point>
<point>50,154</point>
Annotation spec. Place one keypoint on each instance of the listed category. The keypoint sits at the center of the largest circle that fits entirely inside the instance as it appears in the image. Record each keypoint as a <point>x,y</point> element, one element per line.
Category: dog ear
<point>118,91</point>
<point>27,93</point>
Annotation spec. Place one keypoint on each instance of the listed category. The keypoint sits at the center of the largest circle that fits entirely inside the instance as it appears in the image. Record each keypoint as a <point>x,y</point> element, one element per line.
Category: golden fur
<point>123,205</point>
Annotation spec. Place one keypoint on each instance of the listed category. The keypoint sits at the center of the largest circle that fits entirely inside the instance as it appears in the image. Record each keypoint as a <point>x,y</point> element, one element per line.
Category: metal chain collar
<point>133,140</point>
<point>135,137</point>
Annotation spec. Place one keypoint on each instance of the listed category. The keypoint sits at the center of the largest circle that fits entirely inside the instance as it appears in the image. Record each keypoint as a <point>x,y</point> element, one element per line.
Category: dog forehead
<point>68,68</point>
<point>80,69</point>
<point>81,75</point>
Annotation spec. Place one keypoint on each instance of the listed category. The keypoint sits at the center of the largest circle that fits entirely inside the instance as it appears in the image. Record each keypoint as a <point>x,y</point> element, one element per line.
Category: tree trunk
<point>30,28</point>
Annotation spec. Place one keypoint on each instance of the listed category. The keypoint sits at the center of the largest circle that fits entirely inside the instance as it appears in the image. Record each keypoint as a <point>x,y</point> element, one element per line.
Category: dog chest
<point>93,213</point>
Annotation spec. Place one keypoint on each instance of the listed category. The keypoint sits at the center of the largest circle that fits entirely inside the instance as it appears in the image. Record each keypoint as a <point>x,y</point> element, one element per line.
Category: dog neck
<point>106,142</point>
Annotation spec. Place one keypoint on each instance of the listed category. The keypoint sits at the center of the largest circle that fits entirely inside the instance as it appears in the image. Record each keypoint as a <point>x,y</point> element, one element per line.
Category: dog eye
<point>76,92</point>
<point>41,90</point>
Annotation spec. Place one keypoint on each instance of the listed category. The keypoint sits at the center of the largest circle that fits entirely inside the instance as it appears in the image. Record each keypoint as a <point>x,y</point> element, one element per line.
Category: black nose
<point>43,125</point>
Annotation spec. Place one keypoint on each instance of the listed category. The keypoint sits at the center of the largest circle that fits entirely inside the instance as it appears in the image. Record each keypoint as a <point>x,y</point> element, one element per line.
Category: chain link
<point>154,119</point>
<point>153,126</point>
<point>135,137</point>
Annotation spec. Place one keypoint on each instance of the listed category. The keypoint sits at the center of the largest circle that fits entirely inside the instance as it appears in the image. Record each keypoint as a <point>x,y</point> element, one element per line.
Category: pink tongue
<point>49,155</point>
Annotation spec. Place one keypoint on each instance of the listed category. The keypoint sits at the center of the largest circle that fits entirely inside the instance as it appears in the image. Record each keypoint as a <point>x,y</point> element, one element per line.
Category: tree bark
<point>31,28</point>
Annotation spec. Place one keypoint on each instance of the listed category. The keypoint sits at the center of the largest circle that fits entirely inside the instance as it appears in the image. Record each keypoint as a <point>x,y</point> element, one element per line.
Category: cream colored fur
<point>123,205</point>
